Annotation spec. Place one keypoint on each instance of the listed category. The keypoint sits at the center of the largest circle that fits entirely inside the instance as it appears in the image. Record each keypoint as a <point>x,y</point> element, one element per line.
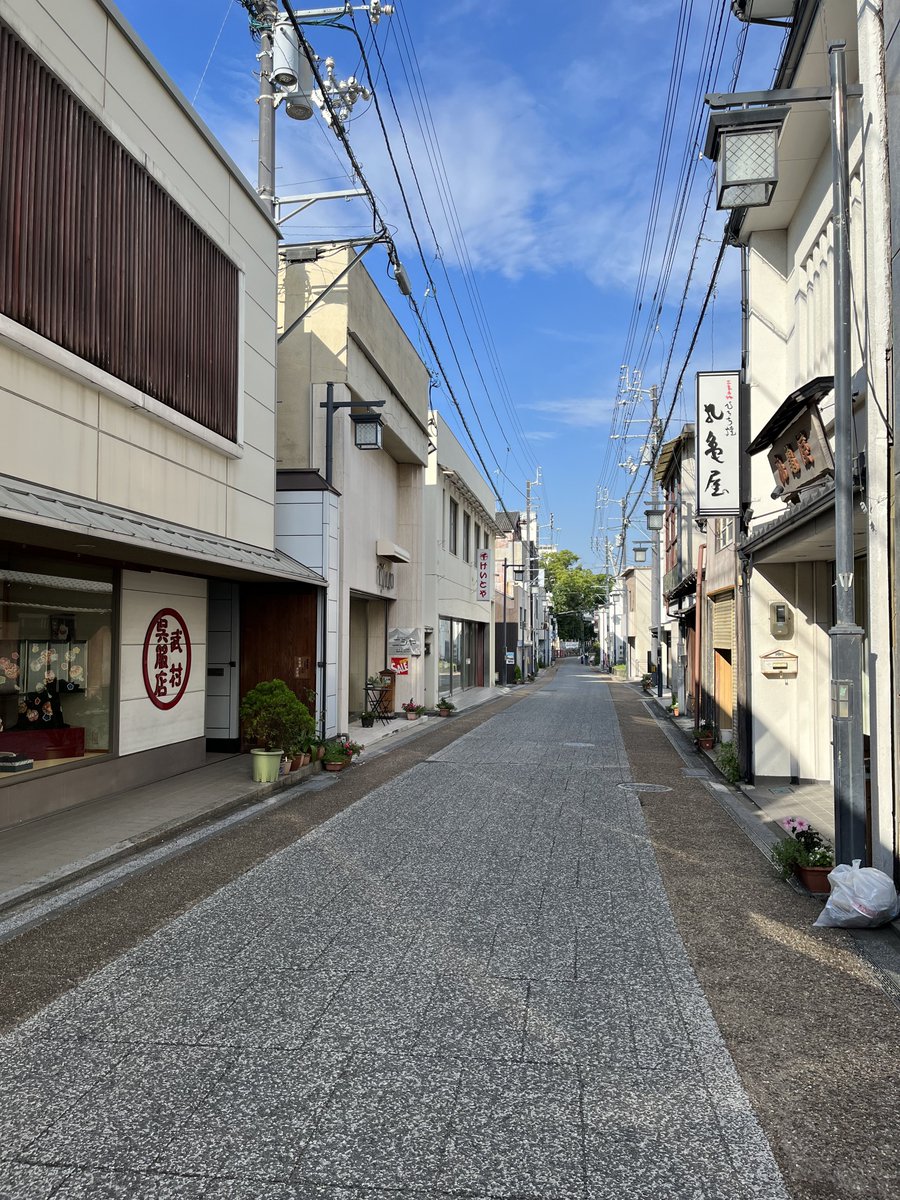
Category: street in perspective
<point>470,981</point>
<point>449,625</point>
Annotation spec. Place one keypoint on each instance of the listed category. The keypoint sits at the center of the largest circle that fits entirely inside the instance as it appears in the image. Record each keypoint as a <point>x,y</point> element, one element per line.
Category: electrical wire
<point>380,227</point>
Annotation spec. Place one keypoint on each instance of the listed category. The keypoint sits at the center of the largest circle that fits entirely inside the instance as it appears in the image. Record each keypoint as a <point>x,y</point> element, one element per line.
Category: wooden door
<point>278,636</point>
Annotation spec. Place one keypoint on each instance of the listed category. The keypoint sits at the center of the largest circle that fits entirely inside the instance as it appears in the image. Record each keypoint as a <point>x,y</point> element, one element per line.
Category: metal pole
<point>527,649</point>
<point>655,581</point>
<point>846,636</point>
<point>329,432</point>
<point>505,630</point>
<point>266,102</point>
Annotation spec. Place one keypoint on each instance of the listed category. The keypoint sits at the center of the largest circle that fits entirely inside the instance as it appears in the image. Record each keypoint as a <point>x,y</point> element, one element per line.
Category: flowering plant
<point>410,706</point>
<point>804,847</point>
<point>446,704</point>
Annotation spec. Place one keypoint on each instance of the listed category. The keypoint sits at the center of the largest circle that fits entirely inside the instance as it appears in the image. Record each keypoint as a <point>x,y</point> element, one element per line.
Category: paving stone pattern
<point>467,984</point>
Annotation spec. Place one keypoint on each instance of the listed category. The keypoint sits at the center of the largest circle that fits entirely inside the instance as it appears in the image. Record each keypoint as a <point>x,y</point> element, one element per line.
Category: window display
<point>54,686</point>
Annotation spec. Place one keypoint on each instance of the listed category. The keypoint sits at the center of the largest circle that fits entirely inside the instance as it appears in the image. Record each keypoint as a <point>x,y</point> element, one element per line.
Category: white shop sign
<point>718,444</point>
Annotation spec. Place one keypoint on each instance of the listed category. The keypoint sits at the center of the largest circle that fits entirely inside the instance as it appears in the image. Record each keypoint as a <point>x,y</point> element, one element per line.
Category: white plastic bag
<point>861,898</point>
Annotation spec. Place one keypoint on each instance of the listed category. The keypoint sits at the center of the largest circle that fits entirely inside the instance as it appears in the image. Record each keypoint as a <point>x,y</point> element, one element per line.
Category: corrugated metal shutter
<point>723,622</point>
<point>98,258</point>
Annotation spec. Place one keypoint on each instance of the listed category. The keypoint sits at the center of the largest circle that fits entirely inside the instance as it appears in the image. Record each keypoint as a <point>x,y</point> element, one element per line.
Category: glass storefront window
<point>444,656</point>
<point>56,648</point>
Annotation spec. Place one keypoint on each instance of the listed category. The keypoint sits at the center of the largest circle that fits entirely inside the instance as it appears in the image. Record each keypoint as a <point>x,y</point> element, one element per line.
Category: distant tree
<point>577,593</point>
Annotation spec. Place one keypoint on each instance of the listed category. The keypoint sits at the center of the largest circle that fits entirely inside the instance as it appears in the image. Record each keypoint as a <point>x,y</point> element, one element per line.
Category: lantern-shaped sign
<point>744,144</point>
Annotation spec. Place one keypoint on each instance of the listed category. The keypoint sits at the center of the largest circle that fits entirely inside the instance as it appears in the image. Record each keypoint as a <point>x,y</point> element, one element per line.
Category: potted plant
<point>673,707</point>
<point>367,719</point>
<point>445,707</point>
<point>339,754</point>
<point>805,853</point>
<point>705,736</point>
<point>273,717</point>
<point>413,711</point>
<point>646,683</point>
<point>335,757</point>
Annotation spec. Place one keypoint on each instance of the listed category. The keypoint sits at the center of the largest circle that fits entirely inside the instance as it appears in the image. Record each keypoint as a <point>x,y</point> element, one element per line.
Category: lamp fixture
<point>744,145</point>
<point>655,518</point>
<point>367,429</point>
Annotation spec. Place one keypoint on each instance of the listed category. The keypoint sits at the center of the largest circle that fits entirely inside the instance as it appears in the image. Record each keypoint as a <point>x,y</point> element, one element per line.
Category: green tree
<point>577,592</point>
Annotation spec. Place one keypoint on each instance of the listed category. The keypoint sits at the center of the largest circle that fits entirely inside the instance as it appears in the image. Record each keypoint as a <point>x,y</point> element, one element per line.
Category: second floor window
<point>724,532</point>
<point>467,537</point>
<point>453,529</point>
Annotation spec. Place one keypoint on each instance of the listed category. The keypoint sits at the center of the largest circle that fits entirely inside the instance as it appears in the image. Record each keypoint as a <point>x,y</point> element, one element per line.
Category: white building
<point>363,529</point>
<point>137,387</point>
<point>787,558</point>
<point>459,570</point>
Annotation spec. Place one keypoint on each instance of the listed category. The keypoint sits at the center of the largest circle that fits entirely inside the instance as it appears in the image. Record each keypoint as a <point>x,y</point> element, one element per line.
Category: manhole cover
<point>644,787</point>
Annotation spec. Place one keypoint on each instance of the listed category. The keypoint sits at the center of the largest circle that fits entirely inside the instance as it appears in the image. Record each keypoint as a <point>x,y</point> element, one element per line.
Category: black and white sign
<point>718,444</point>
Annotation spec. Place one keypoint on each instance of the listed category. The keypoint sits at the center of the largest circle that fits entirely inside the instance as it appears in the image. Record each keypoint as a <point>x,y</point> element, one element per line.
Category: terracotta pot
<point>301,760</point>
<point>320,752</point>
<point>335,766</point>
<point>412,716</point>
<point>444,712</point>
<point>814,879</point>
<point>706,743</point>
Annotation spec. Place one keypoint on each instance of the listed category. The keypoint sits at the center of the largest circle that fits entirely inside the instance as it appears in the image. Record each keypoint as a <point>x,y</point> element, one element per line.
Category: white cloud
<point>591,412</point>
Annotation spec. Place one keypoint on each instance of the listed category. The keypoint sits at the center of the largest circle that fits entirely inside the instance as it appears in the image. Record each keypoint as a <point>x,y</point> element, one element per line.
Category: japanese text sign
<point>167,658</point>
<point>483,580</point>
<point>718,444</point>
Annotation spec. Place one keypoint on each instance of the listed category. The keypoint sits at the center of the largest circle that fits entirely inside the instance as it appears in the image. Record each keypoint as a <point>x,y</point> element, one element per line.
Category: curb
<point>160,834</point>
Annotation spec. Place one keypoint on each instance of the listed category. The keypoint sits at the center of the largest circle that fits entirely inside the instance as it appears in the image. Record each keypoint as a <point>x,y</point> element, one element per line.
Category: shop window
<point>453,530</point>
<point>55,665</point>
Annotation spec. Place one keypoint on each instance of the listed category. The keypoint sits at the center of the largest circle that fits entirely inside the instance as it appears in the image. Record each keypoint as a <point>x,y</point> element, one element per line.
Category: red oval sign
<point>167,658</point>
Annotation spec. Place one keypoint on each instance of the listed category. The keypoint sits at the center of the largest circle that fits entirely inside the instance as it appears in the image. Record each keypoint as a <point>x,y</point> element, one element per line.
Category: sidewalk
<point>40,856</point>
<point>774,799</point>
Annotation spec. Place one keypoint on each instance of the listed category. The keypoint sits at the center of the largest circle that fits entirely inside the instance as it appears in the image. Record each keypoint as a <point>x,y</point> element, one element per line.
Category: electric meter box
<point>781,620</point>
<point>779,664</point>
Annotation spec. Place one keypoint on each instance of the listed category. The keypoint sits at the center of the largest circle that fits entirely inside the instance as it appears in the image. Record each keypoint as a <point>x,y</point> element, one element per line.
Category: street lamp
<point>846,635</point>
<point>654,522</point>
<point>367,426</point>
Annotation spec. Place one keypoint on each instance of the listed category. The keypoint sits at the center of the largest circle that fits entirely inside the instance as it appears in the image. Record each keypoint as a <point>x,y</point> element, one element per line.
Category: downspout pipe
<point>743,568</point>
<point>698,638</point>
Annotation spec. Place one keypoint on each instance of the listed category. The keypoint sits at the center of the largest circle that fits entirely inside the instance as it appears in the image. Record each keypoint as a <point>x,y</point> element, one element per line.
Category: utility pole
<point>266,102</point>
<point>527,578</point>
<point>846,635</point>
<point>655,578</point>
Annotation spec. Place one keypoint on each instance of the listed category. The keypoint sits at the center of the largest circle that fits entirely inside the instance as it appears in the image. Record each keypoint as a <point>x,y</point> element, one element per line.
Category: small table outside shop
<point>376,702</point>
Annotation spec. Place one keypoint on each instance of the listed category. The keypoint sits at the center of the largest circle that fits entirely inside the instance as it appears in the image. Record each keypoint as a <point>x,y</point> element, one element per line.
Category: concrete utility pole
<point>266,101</point>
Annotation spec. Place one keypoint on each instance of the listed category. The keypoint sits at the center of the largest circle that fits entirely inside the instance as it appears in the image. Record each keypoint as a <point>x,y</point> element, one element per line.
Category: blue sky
<point>549,120</point>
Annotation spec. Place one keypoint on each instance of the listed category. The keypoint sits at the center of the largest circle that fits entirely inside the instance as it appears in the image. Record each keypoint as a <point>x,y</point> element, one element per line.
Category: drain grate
<point>643,787</point>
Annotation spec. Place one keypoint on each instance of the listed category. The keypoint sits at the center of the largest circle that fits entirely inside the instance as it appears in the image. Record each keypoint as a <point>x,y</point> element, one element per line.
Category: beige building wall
<point>109,441</point>
<point>352,339</point>
<point>450,580</point>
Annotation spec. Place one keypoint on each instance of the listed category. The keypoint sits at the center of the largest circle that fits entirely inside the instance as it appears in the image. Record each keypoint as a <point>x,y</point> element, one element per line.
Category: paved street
<point>468,983</point>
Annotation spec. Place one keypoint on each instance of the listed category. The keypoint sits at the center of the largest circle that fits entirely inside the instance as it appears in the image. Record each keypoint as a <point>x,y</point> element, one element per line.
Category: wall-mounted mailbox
<point>779,664</point>
<point>781,620</point>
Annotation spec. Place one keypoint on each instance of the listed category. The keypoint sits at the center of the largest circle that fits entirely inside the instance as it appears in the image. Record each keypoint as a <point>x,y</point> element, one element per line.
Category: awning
<point>46,517</point>
<point>788,412</point>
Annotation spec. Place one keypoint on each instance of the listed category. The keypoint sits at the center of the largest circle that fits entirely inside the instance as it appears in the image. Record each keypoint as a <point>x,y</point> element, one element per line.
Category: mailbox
<point>779,664</point>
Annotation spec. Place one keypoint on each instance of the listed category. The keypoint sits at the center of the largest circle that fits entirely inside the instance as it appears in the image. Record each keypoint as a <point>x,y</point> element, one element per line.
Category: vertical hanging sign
<point>718,444</point>
<point>483,583</point>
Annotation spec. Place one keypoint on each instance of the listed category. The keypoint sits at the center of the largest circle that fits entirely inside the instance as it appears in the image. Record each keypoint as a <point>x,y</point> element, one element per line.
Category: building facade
<point>137,504</point>
<point>355,515</point>
<point>459,570</point>
<point>787,554</point>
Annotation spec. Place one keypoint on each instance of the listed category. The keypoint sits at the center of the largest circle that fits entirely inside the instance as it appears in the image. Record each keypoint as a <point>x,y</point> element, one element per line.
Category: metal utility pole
<point>527,577</point>
<point>655,577</point>
<point>846,636</point>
